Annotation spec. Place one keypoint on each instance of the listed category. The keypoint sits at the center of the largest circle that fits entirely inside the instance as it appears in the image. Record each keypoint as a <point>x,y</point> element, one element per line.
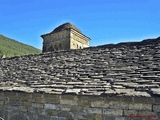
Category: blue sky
<point>104,21</point>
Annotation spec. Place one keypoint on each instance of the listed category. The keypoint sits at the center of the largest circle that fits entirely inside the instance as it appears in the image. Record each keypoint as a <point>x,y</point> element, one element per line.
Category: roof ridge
<point>64,26</point>
<point>139,43</point>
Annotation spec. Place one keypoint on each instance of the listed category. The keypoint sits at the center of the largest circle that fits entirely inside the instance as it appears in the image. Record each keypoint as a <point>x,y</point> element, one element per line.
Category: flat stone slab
<point>124,69</point>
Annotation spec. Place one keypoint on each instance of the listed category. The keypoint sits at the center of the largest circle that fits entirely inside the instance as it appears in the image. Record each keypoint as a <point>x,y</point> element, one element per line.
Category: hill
<point>10,48</point>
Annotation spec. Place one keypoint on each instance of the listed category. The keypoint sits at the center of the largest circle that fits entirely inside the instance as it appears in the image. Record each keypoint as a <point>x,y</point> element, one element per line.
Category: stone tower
<point>64,37</point>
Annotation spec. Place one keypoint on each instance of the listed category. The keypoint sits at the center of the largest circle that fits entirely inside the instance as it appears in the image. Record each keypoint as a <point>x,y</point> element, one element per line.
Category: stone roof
<point>64,27</point>
<point>124,69</point>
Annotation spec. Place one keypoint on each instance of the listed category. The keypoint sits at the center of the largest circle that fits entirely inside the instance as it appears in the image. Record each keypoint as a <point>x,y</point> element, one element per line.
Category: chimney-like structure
<point>64,37</point>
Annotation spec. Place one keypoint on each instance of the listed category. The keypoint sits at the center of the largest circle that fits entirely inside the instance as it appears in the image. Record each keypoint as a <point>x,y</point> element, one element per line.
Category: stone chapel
<point>64,37</point>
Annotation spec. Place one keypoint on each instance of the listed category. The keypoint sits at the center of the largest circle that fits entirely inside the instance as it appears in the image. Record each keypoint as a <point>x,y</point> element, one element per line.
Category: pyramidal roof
<point>65,26</point>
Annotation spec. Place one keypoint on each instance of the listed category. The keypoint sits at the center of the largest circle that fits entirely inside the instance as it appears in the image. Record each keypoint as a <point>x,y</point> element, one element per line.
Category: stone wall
<point>65,40</point>
<point>40,106</point>
<point>57,41</point>
<point>64,37</point>
<point>78,40</point>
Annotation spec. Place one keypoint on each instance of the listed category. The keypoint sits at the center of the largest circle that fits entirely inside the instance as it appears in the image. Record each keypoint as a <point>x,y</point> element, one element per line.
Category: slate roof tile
<point>124,69</point>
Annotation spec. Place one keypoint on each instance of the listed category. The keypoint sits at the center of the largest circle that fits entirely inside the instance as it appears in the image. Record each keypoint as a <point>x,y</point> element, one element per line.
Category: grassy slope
<point>10,48</point>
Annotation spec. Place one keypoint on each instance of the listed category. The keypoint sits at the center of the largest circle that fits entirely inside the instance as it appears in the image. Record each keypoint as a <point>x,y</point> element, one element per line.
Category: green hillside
<point>10,48</point>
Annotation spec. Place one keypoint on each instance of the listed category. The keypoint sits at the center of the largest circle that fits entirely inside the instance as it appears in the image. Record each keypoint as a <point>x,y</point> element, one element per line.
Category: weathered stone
<point>24,96</point>
<point>129,112</point>
<point>49,106</point>
<point>64,37</point>
<point>52,99</point>
<point>64,107</point>
<point>121,118</point>
<point>51,112</point>
<point>38,105</point>
<point>42,117</point>
<point>108,117</point>
<point>156,108</point>
<point>72,91</point>
<point>22,109</point>
<point>68,102</point>
<point>65,114</point>
<point>114,112</point>
<point>93,110</point>
<point>13,107</point>
<point>155,91</point>
<point>1,102</point>
<point>144,100</point>
<point>148,113</point>
<point>84,101</point>
<point>98,117</point>
<point>140,106</point>
<point>27,104</point>
<point>16,116</point>
<point>84,116</point>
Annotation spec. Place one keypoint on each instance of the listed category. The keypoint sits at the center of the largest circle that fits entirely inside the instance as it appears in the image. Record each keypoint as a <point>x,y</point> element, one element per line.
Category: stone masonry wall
<point>64,37</point>
<point>40,106</point>
<point>57,41</point>
<point>78,40</point>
